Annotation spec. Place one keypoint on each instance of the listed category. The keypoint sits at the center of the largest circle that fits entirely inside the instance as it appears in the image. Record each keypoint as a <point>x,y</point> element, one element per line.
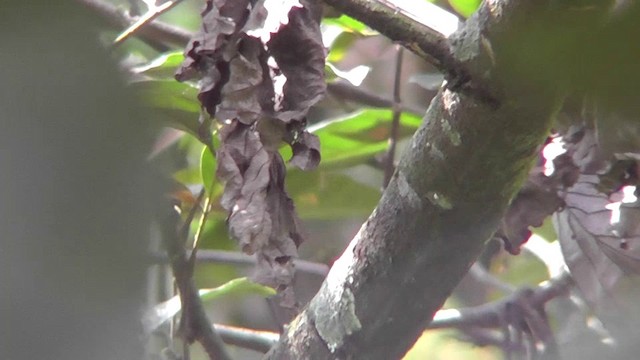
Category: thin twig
<point>152,13</point>
<point>237,258</point>
<point>194,324</point>
<point>344,90</point>
<point>156,33</point>
<point>203,220</point>
<point>540,329</point>
<point>486,315</point>
<point>395,123</point>
<point>186,351</point>
<point>257,340</point>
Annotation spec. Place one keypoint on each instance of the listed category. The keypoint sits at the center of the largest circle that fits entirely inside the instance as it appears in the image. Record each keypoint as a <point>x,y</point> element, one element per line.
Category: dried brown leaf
<point>599,234</point>
<point>261,67</point>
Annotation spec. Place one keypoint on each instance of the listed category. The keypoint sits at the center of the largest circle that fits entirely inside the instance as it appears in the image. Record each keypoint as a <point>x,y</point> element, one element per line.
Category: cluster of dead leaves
<point>260,67</point>
<point>598,229</point>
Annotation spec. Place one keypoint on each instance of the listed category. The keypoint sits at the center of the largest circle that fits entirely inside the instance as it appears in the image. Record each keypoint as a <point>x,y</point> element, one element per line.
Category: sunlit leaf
<point>465,7</point>
<point>162,67</point>
<point>348,24</point>
<point>354,76</point>
<point>166,310</point>
<point>329,195</point>
<point>207,168</point>
<point>349,140</point>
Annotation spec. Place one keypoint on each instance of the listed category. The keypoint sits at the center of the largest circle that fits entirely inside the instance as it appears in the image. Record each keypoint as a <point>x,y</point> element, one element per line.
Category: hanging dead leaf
<point>261,67</point>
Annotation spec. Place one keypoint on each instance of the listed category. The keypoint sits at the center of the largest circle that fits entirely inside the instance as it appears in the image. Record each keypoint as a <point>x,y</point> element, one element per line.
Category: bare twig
<point>520,317</point>
<point>343,90</point>
<point>152,13</point>
<point>156,33</point>
<point>237,258</point>
<point>395,123</point>
<point>256,340</point>
<point>539,325</point>
<point>487,315</point>
<point>203,220</point>
<point>194,324</point>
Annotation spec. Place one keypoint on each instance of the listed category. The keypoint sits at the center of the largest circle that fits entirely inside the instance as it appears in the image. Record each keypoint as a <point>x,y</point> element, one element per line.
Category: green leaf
<point>162,67</point>
<point>465,7</point>
<point>177,102</point>
<point>349,24</point>
<point>340,45</point>
<point>166,310</point>
<point>240,286</point>
<point>328,195</point>
<point>207,169</point>
<point>349,140</point>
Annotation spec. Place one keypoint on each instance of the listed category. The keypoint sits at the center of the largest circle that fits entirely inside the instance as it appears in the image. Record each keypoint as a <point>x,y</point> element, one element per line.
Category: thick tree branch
<point>452,186</point>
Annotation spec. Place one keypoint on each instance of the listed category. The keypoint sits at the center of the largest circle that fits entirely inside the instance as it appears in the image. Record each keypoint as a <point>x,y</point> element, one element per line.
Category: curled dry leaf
<point>260,66</point>
<point>537,200</point>
<point>598,232</point>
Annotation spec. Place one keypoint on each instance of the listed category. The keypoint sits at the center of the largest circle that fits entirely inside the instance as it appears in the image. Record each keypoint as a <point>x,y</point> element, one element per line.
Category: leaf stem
<point>395,123</point>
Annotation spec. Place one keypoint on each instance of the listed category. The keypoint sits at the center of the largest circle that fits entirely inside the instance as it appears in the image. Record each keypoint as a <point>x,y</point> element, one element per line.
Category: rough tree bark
<point>453,184</point>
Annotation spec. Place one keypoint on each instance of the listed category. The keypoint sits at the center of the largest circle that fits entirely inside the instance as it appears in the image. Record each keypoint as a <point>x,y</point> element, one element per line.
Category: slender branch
<point>156,33</point>
<point>237,258</point>
<point>487,315</point>
<point>395,123</point>
<point>203,220</point>
<point>539,325</point>
<point>345,91</point>
<point>194,324</point>
<point>391,21</point>
<point>256,340</point>
<point>184,229</point>
<point>152,13</point>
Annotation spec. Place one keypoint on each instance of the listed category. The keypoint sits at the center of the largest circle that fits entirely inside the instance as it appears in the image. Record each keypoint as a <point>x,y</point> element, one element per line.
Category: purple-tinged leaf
<point>537,200</point>
<point>303,63</point>
<point>306,151</point>
<point>261,67</point>
<point>598,229</point>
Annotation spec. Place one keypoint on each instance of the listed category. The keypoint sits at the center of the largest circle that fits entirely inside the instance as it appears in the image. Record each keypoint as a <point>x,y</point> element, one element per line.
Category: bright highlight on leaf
<point>207,168</point>
<point>465,7</point>
<point>166,310</point>
<point>348,140</point>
